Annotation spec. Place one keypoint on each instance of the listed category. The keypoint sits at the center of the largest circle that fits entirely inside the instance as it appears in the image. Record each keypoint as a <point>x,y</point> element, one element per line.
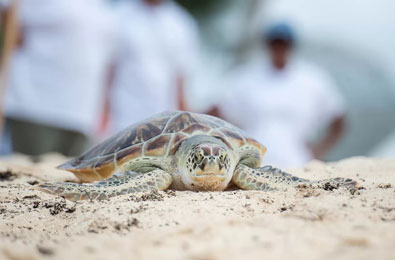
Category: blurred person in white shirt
<point>55,84</point>
<point>284,103</point>
<point>156,59</point>
<point>8,38</point>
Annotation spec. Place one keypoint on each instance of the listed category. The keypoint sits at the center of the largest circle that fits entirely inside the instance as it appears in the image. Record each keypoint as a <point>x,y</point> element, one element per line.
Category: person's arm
<point>181,97</point>
<point>332,136</point>
<point>105,116</point>
<point>10,35</point>
<point>215,111</point>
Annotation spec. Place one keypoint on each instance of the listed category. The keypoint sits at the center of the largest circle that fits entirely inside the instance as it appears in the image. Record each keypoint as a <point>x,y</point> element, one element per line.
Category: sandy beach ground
<point>300,223</point>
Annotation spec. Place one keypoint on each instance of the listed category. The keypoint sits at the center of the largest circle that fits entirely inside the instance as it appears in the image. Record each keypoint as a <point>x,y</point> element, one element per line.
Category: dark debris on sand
<point>330,187</point>
<point>7,176</point>
<point>45,251</point>
<point>151,196</point>
<point>33,182</point>
<point>55,207</point>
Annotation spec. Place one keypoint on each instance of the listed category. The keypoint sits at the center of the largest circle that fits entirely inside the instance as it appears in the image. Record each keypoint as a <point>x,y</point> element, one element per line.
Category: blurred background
<point>309,79</point>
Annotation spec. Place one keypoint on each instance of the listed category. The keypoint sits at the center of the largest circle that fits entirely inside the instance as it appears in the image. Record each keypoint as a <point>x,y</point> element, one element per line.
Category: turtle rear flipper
<point>268,178</point>
<point>127,182</point>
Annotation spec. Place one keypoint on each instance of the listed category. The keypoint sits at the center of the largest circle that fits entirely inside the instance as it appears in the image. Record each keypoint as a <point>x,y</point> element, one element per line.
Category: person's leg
<point>5,140</point>
<point>72,143</point>
<point>36,139</point>
<point>31,138</point>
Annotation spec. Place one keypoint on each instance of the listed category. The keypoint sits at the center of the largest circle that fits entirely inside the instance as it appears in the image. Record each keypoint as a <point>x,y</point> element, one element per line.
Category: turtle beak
<point>209,166</point>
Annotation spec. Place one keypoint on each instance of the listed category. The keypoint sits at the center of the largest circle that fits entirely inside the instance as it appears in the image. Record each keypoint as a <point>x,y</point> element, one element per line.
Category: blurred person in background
<point>8,38</point>
<point>285,102</point>
<point>156,59</point>
<point>55,80</point>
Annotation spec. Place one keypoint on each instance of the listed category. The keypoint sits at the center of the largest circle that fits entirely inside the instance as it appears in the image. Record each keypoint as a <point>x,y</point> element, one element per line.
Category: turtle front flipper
<point>268,178</point>
<point>123,183</point>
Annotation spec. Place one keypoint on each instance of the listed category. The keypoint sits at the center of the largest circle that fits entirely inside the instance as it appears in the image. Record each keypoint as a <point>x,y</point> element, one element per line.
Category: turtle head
<point>205,163</point>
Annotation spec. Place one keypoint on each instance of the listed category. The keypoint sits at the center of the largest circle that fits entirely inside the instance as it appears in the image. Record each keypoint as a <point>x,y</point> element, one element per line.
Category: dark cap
<point>279,31</point>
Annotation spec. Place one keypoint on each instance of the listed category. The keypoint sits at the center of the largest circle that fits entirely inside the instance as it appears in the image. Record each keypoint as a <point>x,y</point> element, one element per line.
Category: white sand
<point>297,224</point>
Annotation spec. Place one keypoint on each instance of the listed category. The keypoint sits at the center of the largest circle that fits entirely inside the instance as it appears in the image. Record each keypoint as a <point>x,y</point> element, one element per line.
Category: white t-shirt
<point>283,109</point>
<point>57,75</point>
<point>157,44</point>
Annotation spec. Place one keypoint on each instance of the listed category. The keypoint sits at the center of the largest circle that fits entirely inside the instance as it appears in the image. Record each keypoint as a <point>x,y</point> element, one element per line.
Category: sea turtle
<point>180,150</point>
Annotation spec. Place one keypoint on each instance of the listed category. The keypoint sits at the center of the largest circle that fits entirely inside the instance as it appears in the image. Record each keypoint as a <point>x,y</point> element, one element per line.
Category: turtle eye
<point>222,157</point>
<point>199,157</point>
